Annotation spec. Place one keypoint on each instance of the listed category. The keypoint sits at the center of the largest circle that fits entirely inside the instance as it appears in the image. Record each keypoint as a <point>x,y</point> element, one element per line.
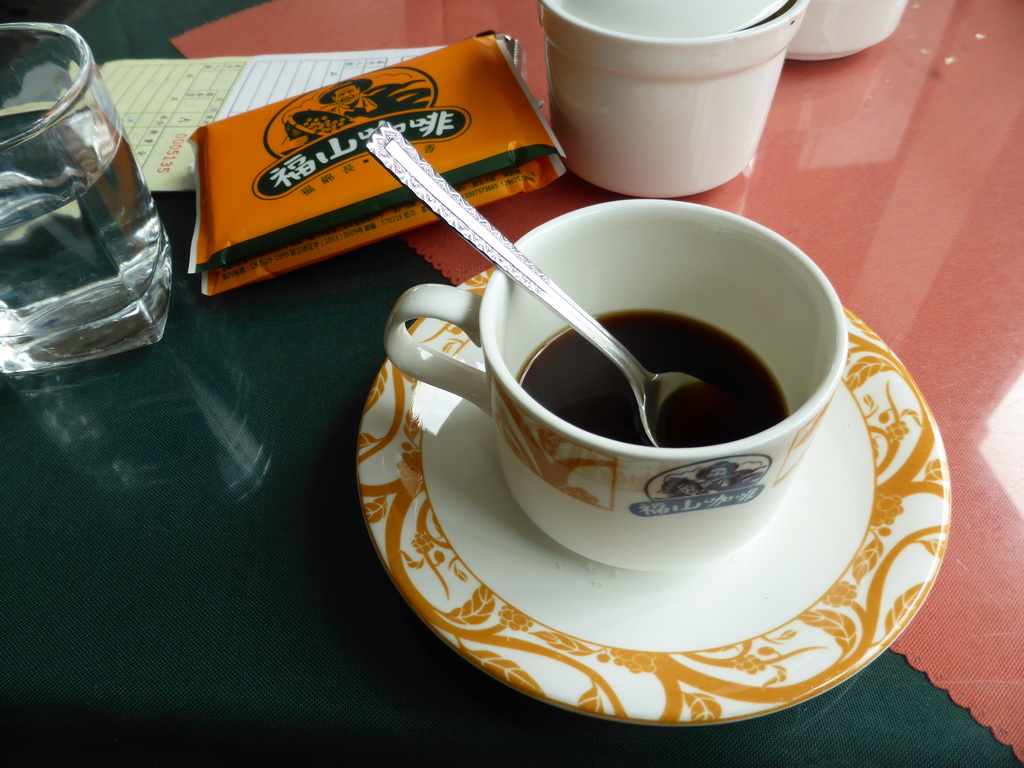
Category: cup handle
<point>449,304</point>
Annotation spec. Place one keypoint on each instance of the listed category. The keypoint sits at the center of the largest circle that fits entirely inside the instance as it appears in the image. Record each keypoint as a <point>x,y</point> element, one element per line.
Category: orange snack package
<point>291,183</point>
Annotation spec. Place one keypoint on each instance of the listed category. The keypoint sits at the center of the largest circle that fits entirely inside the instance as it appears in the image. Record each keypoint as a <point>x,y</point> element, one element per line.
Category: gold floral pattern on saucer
<point>853,618</point>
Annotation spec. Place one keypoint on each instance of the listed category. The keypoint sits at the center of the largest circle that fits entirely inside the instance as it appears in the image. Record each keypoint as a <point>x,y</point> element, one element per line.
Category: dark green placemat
<point>186,578</point>
<point>142,29</point>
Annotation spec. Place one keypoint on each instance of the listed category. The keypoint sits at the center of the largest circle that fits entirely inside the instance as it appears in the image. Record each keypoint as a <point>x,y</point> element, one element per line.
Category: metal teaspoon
<point>651,390</point>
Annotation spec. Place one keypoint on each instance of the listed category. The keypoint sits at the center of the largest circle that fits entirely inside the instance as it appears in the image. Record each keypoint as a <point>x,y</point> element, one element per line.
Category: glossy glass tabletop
<point>186,572</point>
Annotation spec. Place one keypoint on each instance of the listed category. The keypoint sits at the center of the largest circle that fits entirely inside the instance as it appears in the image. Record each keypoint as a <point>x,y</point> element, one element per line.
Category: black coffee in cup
<point>570,378</point>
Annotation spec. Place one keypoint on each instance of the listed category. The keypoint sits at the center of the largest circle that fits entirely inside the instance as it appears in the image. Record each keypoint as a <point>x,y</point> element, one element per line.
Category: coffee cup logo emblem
<point>704,485</point>
<point>325,132</point>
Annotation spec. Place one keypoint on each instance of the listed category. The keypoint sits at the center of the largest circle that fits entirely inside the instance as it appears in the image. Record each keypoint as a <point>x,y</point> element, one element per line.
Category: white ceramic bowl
<point>832,29</point>
<point>656,116</point>
<point>672,18</point>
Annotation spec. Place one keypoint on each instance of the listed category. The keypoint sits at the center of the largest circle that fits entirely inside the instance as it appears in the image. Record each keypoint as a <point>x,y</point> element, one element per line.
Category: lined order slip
<point>162,101</point>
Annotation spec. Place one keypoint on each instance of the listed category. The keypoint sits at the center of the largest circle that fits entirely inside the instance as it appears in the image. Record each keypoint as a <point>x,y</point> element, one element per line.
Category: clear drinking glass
<point>85,267</point>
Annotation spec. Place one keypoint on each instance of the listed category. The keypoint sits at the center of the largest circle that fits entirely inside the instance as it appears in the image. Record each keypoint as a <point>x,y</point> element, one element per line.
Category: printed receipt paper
<point>162,102</point>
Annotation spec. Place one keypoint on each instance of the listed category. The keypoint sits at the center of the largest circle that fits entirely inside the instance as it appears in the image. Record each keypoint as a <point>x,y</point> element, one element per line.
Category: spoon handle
<point>399,156</point>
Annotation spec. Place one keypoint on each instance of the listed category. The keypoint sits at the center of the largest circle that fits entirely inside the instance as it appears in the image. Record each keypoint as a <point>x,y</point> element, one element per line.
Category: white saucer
<point>822,591</point>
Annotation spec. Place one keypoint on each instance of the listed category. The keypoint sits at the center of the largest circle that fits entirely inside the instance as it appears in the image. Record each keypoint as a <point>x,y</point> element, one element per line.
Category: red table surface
<point>899,171</point>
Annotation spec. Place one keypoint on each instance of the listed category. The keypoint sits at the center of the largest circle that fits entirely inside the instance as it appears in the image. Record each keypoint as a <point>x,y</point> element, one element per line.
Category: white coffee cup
<point>832,29</point>
<point>614,502</point>
<point>655,116</point>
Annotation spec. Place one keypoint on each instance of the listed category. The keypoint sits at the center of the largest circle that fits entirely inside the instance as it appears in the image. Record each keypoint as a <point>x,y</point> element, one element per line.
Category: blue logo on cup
<point>704,485</point>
